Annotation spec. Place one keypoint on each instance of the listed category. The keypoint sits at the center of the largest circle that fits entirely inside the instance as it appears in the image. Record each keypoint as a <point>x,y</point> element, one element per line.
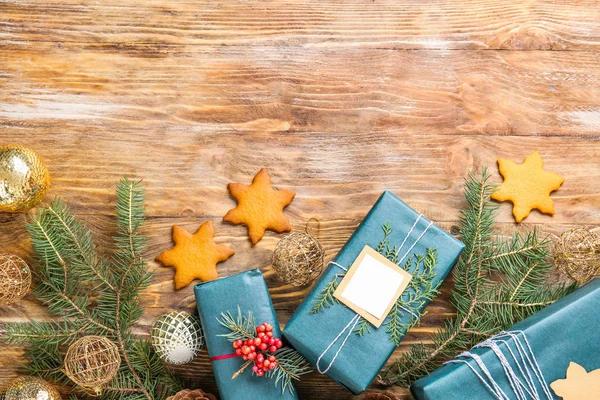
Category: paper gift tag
<point>372,286</point>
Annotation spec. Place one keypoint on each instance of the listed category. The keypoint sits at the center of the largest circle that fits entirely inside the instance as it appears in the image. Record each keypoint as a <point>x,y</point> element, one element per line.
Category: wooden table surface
<point>339,99</point>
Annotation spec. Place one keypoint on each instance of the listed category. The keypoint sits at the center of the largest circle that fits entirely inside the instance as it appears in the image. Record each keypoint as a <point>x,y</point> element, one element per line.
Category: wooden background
<point>339,99</point>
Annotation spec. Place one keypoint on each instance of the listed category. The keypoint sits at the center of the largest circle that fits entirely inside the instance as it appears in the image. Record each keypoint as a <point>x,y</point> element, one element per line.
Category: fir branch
<point>325,299</point>
<point>291,365</point>
<point>71,274</point>
<point>485,305</point>
<point>241,327</point>
<point>363,327</point>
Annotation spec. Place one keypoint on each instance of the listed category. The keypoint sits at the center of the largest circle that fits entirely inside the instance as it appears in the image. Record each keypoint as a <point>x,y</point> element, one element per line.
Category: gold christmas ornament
<point>577,254</point>
<point>177,337</point>
<point>30,388</point>
<point>24,179</point>
<point>298,259</point>
<point>91,362</point>
<point>15,278</point>
<point>188,394</point>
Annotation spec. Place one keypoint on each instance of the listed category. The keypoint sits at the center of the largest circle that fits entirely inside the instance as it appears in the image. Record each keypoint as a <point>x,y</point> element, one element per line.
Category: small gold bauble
<point>30,388</point>
<point>15,278</point>
<point>177,337</point>
<point>24,179</point>
<point>577,254</point>
<point>91,362</point>
<point>298,259</point>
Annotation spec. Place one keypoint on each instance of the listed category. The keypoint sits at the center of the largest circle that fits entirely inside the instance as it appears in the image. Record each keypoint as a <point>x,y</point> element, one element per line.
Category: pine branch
<point>240,327</point>
<point>291,365</point>
<point>485,305</point>
<point>325,299</point>
<point>71,274</point>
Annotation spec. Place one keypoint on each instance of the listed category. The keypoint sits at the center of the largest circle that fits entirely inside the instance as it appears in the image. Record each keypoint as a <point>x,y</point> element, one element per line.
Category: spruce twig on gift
<point>92,294</point>
<point>484,305</point>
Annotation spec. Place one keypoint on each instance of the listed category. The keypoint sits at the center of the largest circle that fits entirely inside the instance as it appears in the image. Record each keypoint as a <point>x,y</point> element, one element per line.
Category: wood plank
<point>208,89</point>
<point>404,24</point>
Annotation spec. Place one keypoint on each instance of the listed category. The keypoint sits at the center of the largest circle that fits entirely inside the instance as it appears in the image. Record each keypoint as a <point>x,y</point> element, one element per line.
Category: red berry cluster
<point>257,349</point>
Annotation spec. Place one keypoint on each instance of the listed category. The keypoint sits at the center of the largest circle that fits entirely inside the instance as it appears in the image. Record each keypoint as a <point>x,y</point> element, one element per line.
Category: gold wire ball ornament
<point>24,179</point>
<point>91,362</point>
<point>30,388</point>
<point>298,258</point>
<point>577,254</point>
<point>177,337</point>
<point>15,278</point>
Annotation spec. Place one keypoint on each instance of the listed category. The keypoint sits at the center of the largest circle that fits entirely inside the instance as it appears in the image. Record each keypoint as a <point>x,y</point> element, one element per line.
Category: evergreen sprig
<point>291,364</point>
<point>91,294</point>
<point>498,282</point>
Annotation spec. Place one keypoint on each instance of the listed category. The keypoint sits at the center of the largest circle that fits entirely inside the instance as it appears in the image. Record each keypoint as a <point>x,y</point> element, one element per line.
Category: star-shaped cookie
<point>260,207</point>
<point>194,256</point>
<point>579,384</point>
<point>527,186</point>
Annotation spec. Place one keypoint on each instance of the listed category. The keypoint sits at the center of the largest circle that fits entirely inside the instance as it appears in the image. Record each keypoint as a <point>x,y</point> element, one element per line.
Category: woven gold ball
<point>298,259</point>
<point>30,388</point>
<point>24,179</point>
<point>577,254</point>
<point>177,337</point>
<point>91,362</point>
<point>15,278</point>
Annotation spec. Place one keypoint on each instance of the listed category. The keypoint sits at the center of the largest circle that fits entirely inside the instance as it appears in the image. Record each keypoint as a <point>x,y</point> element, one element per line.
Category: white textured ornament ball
<point>177,337</point>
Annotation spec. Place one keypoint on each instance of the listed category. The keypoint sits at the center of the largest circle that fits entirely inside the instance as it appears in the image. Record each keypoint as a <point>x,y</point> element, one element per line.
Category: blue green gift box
<point>564,332</point>
<point>355,362</point>
<point>248,291</point>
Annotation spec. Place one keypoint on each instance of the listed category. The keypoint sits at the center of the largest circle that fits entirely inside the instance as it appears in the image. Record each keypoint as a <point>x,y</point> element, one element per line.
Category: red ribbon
<point>222,357</point>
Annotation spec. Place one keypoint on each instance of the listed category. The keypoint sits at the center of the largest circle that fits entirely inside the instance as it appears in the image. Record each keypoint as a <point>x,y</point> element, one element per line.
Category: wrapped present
<point>333,337</point>
<point>530,360</point>
<point>248,292</point>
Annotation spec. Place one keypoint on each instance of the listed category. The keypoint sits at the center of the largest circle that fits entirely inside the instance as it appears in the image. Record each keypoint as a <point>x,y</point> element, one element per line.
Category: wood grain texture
<point>340,100</point>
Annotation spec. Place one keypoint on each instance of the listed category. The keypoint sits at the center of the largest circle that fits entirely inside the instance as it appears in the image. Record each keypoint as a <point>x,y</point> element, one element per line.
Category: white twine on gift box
<point>524,385</point>
<point>354,321</point>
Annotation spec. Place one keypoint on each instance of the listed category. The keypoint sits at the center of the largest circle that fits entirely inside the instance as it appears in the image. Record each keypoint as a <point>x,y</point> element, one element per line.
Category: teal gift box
<point>248,291</point>
<point>352,360</point>
<point>564,332</point>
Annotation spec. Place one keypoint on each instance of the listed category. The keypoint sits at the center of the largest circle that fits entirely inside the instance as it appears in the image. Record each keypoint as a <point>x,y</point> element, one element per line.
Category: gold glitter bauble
<point>91,362</point>
<point>177,337</point>
<point>577,254</point>
<point>298,259</point>
<point>15,278</point>
<point>30,388</point>
<point>24,179</point>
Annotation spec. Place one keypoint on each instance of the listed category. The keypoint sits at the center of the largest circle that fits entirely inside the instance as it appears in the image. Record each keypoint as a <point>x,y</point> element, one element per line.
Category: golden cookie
<point>260,207</point>
<point>527,186</point>
<point>194,256</point>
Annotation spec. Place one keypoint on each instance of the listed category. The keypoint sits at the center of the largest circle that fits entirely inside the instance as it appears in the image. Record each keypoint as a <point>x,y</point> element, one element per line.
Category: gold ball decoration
<point>24,179</point>
<point>577,254</point>
<point>30,388</point>
<point>91,362</point>
<point>15,278</point>
<point>177,337</point>
<point>298,259</point>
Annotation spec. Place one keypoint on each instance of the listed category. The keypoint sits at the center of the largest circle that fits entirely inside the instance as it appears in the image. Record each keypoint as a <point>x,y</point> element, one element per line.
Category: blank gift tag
<point>372,286</point>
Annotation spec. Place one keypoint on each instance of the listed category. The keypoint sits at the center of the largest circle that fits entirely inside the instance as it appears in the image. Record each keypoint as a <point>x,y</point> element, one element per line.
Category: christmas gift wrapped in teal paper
<point>248,291</point>
<point>338,341</point>
<point>536,352</point>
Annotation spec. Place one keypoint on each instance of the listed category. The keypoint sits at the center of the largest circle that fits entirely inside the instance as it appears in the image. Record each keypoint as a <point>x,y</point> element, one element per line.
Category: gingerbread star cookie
<point>260,207</point>
<point>194,256</point>
<point>579,384</point>
<point>527,186</point>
